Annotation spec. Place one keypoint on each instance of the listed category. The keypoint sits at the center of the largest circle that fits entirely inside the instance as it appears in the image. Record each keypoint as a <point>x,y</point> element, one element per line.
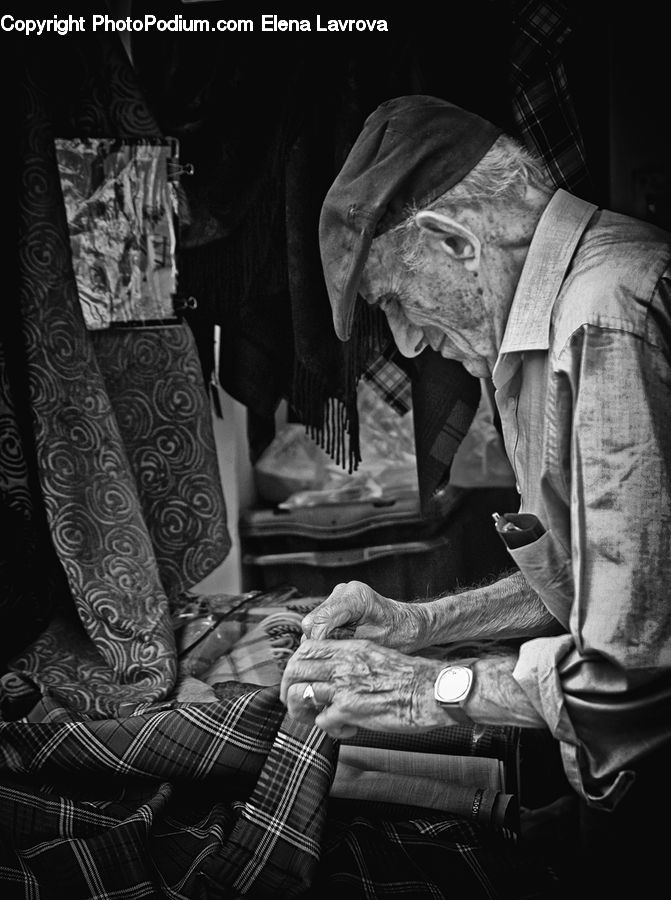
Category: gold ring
<point>308,693</point>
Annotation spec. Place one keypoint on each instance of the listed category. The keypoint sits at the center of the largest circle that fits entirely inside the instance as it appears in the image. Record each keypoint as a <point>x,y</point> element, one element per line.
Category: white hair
<point>502,176</point>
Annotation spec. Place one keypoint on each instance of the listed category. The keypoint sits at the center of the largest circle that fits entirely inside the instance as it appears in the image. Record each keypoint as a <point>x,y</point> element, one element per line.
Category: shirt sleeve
<point>605,687</point>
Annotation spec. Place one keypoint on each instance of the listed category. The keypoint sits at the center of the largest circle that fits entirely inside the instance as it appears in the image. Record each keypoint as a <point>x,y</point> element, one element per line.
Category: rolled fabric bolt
<point>485,806</point>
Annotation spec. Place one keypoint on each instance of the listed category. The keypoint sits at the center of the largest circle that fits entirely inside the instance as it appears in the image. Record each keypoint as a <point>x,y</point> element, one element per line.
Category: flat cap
<point>410,151</point>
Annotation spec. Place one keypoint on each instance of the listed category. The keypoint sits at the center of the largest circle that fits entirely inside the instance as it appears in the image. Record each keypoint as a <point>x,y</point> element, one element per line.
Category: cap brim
<point>343,277</point>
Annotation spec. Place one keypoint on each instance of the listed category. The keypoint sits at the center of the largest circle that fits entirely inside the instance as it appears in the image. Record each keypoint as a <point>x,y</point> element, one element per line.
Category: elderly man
<point>454,230</point>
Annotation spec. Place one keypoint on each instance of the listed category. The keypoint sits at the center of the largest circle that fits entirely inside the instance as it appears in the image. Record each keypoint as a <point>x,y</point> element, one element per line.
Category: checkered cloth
<point>242,639</point>
<point>177,800</point>
<point>542,106</point>
<point>221,799</point>
<point>389,381</point>
<point>370,856</point>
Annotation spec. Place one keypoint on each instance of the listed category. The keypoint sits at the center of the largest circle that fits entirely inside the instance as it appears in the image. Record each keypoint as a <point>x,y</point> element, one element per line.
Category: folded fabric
<point>424,856</point>
<point>260,655</point>
<point>478,771</point>
<point>247,638</point>
<point>482,805</point>
<point>468,786</point>
<point>175,800</point>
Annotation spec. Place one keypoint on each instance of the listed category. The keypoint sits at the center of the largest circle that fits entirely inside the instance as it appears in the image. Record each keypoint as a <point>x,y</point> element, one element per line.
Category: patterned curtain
<point>109,486</point>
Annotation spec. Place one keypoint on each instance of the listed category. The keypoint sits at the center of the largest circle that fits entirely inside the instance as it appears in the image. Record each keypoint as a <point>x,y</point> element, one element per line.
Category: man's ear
<point>455,239</point>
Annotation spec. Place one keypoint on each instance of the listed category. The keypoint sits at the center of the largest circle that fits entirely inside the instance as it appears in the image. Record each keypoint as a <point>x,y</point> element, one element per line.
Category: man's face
<point>435,302</point>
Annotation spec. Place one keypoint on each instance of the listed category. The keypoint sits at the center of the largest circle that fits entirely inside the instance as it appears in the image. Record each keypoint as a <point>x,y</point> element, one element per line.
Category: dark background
<point>615,58</point>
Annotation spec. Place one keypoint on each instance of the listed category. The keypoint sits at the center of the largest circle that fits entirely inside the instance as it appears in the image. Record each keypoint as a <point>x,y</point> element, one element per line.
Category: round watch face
<point>453,684</point>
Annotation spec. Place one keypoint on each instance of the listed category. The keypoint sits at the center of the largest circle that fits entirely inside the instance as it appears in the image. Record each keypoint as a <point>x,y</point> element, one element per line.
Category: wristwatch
<point>452,688</point>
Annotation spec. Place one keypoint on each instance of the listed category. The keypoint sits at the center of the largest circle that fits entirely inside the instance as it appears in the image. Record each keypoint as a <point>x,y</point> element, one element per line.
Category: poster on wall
<point>121,206</point>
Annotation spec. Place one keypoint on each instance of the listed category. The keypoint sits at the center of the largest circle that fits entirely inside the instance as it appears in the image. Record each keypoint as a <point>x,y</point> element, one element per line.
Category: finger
<point>333,722</point>
<point>320,622</point>
<point>304,671</point>
<point>321,695</point>
<point>306,699</point>
<point>310,694</point>
<point>339,609</point>
<point>296,705</point>
<point>312,661</point>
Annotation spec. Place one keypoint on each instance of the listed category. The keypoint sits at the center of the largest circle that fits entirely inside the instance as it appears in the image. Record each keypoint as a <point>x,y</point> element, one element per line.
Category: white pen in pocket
<point>502,524</point>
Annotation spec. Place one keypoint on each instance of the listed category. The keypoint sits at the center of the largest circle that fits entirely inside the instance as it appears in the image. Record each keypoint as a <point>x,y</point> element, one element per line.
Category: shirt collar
<point>553,244</point>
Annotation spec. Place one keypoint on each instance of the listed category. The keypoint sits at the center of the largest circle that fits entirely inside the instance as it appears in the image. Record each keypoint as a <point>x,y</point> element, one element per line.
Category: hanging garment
<point>124,459</point>
<point>542,102</point>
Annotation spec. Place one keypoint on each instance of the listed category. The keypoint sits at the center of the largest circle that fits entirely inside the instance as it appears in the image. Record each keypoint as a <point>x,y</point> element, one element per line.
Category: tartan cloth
<point>257,656</point>
<point>248,638</point>
<point>389,381</point>
<point>542,106</point>
<point>221,799</point>
<point>176,800</point>
<point>424,857</point>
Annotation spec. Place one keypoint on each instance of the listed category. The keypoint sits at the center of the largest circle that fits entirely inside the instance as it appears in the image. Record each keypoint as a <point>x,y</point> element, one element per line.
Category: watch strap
<point>458,713</point>
<point>456,710</point>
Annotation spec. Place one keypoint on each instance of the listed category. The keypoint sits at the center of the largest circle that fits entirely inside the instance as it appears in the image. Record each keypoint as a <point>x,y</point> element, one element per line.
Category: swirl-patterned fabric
<point>114,459</point>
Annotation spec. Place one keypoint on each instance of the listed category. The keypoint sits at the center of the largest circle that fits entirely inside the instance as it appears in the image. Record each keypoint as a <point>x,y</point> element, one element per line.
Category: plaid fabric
<point>494,742</point>
<point>390,382</point>
<point>423,856</point>
<point>221,799</point>
<point>542,104</point>
<point>176,800</point>
<point>256,656</point>
<point>241,639</point>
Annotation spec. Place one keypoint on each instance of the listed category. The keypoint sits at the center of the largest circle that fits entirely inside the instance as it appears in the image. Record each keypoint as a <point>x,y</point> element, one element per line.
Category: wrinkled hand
<point>355,610</point>
<point>358,684</point>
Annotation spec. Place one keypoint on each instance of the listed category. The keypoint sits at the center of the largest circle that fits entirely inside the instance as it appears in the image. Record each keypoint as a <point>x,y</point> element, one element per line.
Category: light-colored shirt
<point>583,387</point>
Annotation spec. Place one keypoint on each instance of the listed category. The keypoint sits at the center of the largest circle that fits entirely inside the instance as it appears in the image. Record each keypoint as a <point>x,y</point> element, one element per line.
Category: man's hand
<point>355,610</point>
<point>358,684</point>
